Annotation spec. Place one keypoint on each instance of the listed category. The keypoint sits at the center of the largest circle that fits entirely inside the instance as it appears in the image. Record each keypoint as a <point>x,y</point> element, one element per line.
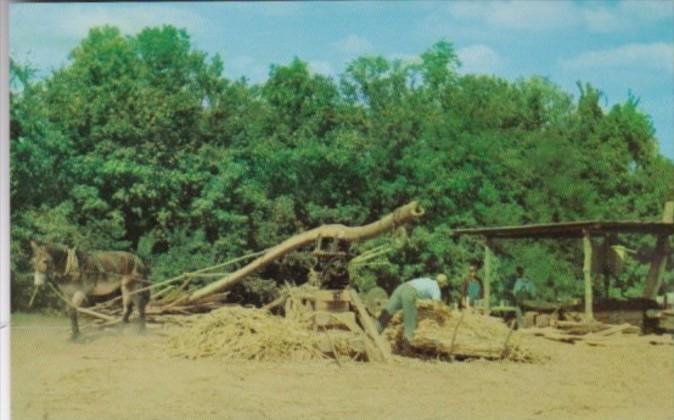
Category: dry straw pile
<point>477,336</point>
<point>237,333</point>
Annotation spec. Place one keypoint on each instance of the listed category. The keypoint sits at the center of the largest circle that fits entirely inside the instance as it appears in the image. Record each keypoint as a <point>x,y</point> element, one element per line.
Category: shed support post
<point>659,257</point>
<point>488,268</point>
<point>587,274</point>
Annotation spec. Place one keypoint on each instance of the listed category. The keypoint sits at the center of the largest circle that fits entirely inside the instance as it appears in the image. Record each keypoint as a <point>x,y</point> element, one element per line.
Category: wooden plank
<point>369,346</point>
<point>587,274</point>
<point>459,350</point>
<point>554,335</point>
<point>332,305</point>
<point>612,330</point>
<point>370,327</point>
<point>331,295</point>
<point>80,309</point>
<point>329,320</point>
<point>580,328</point>
<point>95,314</point>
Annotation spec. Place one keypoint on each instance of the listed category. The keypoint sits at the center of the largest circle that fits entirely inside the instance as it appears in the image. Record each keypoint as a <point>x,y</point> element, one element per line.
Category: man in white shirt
<point>405,297</point>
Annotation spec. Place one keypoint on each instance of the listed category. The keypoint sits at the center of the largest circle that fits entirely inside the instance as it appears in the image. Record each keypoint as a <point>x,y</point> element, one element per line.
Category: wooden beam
<point>389,222</point>
<point>654,278</point>
<point>569,229</point>
<point>488,267</point>
<point>78,308</point>
<point>587,274</point>
<point>369,326</point>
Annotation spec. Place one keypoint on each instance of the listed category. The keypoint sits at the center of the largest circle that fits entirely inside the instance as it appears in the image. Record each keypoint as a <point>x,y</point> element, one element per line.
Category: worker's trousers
<point>405,297</point>
<point>519,314</point>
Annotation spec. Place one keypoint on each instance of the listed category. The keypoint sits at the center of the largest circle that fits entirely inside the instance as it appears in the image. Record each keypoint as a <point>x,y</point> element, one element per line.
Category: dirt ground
<point>118,374</point>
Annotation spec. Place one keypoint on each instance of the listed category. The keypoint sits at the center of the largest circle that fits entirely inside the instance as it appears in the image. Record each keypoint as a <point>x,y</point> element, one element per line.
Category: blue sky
<point>617,46</point>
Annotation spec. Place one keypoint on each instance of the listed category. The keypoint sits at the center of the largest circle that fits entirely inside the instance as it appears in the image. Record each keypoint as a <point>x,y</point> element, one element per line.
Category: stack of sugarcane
<point>444,333</point>
<point>238,333</point>
<point>245,334</point>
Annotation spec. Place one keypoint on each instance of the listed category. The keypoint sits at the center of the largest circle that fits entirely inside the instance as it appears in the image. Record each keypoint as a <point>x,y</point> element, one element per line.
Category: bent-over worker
<point>405,297</point>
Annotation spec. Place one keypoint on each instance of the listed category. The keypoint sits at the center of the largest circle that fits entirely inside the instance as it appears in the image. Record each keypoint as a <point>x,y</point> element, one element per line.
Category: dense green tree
<point>140,143</point>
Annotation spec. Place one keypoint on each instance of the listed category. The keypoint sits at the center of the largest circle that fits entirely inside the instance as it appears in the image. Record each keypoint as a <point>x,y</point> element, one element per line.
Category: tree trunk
<point>350,234</point>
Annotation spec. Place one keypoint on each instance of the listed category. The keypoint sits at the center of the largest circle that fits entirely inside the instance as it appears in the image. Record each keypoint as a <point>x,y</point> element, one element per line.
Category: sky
<point>620,47</point>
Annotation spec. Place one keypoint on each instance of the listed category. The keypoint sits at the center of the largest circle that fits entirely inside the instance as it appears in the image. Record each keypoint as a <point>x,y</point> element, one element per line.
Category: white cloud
<point>44,33</point>
<point>625,15</point>
<point>653,10</point>
<point>353,45</point>
<point>322,67</point>
<point>601,20</point>
<point>479,59</point>
<point>655,56</point>
<point>521,15</point>
<point>75,21</point>
<point>518,15</point>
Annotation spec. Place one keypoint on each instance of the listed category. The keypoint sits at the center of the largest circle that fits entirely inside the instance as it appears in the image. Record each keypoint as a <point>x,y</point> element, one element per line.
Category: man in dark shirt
<point>523,291</point>
<point>472,287</point>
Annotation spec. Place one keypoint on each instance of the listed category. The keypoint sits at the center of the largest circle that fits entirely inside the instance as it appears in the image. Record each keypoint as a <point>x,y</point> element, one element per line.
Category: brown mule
<point>83,276</point>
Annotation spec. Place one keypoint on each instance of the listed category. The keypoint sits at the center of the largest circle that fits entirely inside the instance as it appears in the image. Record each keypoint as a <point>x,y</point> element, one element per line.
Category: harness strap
<point>72,265</point>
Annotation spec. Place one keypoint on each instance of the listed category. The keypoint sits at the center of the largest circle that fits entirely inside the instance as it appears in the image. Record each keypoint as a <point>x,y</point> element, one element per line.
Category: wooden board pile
<point>592,333</point>
<point>443,333</point>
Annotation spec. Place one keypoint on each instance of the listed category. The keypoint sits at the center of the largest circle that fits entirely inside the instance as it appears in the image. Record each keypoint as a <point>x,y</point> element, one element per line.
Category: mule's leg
<point>126,300</point>
<point>74,327</point>
<point>141,301</point>
<point>77,301</point>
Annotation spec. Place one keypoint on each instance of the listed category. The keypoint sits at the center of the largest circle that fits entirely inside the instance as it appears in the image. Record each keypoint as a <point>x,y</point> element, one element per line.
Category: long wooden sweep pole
<point>350,234</point>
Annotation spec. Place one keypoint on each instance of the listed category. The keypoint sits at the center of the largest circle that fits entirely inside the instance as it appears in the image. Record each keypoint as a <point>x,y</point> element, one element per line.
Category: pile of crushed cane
<point>238,333</point>
<point>444,333</point>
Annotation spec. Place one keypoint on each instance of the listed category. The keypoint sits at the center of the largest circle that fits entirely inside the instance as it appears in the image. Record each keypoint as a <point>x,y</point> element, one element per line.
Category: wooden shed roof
<point>570,229</point>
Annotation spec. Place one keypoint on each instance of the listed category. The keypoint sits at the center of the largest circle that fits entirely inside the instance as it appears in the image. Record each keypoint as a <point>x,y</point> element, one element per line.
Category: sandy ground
<point>120,375</point>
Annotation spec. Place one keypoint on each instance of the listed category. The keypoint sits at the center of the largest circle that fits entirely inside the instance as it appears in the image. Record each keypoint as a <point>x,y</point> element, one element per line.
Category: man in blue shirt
<point>524,290</point>
<point>405,297</point>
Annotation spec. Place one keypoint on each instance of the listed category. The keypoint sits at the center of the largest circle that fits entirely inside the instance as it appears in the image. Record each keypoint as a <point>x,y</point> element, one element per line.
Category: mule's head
<point>43,263</point>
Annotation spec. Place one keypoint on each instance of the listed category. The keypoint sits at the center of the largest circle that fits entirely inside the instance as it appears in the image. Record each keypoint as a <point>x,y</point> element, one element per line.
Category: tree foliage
<point>140,143</point>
